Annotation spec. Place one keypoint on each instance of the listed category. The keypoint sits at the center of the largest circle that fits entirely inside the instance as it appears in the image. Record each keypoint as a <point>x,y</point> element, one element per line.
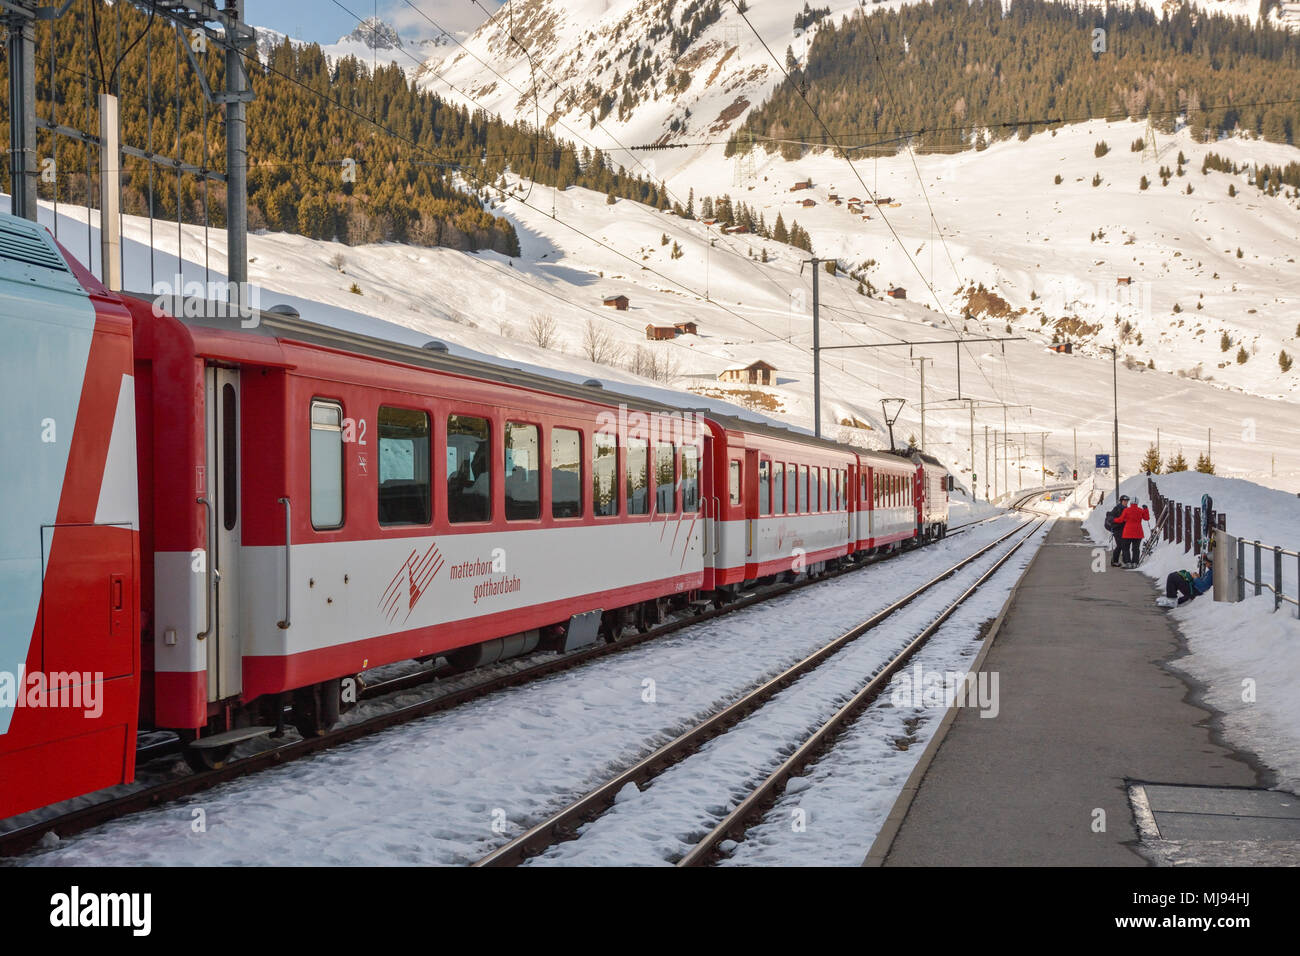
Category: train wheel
<point>203,759</point>
<point>316,708</point>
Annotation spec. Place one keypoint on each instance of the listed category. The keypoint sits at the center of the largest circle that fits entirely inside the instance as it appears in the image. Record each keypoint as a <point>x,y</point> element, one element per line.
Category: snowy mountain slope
<point>484,303</point>
<point>374,41</point>
<point>625,73</point>
<point>1160,259</point>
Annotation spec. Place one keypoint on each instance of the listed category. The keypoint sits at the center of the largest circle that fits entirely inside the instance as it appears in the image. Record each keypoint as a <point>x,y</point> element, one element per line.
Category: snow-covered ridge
<point>374,41</point>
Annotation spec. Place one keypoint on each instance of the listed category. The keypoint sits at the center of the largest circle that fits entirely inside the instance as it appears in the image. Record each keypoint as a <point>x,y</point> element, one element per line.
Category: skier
<point>1131,519</point>
<point>1116,529</point>
<point>1183,586</point>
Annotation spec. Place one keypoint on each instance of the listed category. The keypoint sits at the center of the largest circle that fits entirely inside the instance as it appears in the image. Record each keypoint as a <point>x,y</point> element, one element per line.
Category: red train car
<point>780,498</point>
<point>933,482</point>
<point>308,489</point>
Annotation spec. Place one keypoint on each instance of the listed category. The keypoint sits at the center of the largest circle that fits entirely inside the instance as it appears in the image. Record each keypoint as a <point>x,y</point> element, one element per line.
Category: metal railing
<point>1183,524</point>
<point>1276,587</point>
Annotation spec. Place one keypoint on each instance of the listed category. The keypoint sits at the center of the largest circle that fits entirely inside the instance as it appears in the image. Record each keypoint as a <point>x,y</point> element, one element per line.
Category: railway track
<point>563,825</point>
<point>22,838</point>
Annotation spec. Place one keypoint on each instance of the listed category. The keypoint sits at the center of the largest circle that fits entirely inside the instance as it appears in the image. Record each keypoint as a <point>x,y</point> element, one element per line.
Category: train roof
<point>290,326</point>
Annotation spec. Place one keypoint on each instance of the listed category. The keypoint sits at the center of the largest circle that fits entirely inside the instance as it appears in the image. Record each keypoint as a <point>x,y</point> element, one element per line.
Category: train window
<point>803,489</point>
<point>765,487</point>
<point>469,469</point>
<point>604,475</point>
<point>665,479</point>
<point>566,473</point>
<point>523,472</point>
<point>778,487</point>
<point>638,477</point>
<point>404,487</point>
<point>733,482</point>
<point>326,465</point>
<point>690,480</point>
<point>839,486</point>
<point>229,458</point>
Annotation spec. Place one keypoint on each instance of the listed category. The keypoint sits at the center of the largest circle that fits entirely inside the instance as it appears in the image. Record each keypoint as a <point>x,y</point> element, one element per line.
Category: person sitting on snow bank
<point>1182,586</point>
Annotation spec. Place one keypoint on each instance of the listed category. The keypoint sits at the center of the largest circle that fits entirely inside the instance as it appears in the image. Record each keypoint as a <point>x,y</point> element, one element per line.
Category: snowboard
<point>1206,533</point>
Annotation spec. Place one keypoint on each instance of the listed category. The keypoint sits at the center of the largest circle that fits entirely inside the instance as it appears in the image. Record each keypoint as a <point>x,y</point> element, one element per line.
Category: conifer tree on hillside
<point>1177,463</point>
<point>1164,69</point>
<point>1151,462</point>
<point>317,164</point>
<point>1204,465</point>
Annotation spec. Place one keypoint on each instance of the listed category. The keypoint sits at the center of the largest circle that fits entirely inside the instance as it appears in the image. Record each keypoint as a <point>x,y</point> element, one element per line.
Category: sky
<point>324,21</point>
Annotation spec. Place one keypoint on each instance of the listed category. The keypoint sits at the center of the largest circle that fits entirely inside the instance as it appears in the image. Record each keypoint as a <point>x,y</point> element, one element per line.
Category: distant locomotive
<point>209,528</point>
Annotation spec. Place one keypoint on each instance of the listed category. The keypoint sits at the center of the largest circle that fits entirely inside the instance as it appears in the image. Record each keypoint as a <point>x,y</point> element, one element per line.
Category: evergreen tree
<point>779,233</point>
<point>1151,462</point>
<point>1204,465</point>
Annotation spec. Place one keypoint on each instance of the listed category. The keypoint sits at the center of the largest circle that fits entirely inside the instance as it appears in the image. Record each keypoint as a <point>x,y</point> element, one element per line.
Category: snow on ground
<point>831,815</point>
<point>660,824</point>
<point>1246,655</point>
<point>449,788</point>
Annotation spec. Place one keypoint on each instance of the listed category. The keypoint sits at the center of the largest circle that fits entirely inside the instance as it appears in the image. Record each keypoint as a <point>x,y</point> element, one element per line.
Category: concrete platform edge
<point>903,803</point>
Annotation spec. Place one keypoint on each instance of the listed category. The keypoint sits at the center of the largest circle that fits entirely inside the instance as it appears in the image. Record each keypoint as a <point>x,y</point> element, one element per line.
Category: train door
<point>750,498</point>
<point>711,518</point>
<point>225,657</point>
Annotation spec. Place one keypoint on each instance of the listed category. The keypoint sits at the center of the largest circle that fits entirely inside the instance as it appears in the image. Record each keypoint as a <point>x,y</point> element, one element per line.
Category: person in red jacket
<point>1131,518</point>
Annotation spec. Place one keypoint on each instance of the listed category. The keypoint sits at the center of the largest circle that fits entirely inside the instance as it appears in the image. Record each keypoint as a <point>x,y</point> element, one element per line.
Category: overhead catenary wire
<point>570,226</point>
<point>826,129</point>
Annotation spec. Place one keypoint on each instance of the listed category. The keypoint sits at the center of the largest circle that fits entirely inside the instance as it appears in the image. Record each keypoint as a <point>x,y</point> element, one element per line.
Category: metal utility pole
<point>922,360</point>
<point>1114,366</point>
<point>20,47</point>
<point>817,344</point>
<point>1075,432</point>
<point>110,193</point>
<point>986,462</point>
<point>1006,480</point>
<point>997,443</point>
<point>817,350</point>
<point>1042,456</point>
<point>974,491</point>
<point>235,98</point>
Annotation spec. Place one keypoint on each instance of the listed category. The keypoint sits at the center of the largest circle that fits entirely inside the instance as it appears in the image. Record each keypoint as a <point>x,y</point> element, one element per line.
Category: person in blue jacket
<point>1183,586</point>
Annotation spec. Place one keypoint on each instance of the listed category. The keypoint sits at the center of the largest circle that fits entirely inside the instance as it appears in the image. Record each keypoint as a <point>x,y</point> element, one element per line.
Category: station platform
<point>1091,732</point>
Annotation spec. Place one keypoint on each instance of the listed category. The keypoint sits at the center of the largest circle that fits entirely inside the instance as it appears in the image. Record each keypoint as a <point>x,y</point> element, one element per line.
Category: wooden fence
<point>1178,522</point>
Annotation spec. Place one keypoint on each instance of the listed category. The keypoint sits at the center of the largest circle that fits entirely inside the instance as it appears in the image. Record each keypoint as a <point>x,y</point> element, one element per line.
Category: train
<point>211,523</point>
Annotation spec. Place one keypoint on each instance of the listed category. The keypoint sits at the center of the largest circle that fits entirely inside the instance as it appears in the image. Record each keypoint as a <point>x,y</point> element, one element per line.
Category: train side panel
<point>69,551</point>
